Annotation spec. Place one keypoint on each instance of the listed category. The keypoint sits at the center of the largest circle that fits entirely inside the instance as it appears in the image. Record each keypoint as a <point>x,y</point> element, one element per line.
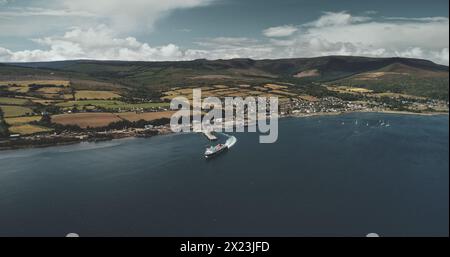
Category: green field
<point>95,95</point>
<point>15,111</point>
<point>28,129</point>
<point>110,104</point>
<point>13,101</point>
<point>22,120</point>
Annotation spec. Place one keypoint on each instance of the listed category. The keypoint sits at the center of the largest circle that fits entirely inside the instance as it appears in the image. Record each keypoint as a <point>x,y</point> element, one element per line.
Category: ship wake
<point>231,141</point>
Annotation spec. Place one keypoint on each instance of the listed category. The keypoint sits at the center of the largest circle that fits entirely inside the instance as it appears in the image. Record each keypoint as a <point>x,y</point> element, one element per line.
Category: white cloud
<point>94,43</point>
<point>31,11</point>
<point>227,42</point>
<point>131,14</point>
<point>5,54</point>
<point>255,52</point>
<point>343,34</point>
<point>436,19</point>
<point>5,2</point>
<point>126,17</point>
<point>338,19</point>
<point>102,43</point>
<point>280,31</point>
<point>419,38</point>
<point>229,47</point>
<point>331,34</point>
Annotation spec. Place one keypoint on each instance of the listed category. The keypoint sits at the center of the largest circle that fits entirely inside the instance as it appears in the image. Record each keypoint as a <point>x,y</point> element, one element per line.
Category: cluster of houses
<point>337,105</point>
<point>323,105</point>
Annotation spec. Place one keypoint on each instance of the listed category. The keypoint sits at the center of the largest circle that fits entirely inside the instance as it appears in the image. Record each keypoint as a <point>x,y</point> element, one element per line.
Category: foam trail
<point>231,141</point>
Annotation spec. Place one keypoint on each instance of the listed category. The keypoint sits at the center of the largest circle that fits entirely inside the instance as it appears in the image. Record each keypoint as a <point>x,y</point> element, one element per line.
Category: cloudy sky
<point>155,30</point>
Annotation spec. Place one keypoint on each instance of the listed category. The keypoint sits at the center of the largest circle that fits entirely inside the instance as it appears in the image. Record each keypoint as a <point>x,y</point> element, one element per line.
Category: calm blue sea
<point>341,175</point>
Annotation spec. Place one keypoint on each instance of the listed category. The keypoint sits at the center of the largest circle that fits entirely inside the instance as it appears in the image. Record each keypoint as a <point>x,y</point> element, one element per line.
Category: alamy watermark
<point>235,114</point>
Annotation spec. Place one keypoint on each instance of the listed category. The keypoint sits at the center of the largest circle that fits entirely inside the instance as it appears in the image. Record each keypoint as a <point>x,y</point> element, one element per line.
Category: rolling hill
<point>400,75</point>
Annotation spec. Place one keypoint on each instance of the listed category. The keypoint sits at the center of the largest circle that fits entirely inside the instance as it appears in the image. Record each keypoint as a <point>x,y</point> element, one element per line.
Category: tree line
<point>4,132</point>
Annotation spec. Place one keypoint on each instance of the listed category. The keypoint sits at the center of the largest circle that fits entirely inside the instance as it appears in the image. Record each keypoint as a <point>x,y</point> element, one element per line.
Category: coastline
<point>303,115</point>
<point>33,144</point>
<point>413,113</point>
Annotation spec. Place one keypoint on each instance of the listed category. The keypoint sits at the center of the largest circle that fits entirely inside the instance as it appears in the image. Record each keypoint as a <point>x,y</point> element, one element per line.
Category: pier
<point>209,135</point>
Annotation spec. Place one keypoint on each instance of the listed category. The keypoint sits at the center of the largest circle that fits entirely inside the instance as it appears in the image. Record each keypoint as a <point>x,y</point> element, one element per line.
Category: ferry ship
<point>214,150</point>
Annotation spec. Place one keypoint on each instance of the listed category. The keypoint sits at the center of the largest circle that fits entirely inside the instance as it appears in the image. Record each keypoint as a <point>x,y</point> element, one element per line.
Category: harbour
<point>314,181</point>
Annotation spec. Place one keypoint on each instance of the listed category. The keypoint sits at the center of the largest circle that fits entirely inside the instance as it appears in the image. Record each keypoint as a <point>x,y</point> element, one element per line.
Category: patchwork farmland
<point>69,104</point>
<point>24,104</point>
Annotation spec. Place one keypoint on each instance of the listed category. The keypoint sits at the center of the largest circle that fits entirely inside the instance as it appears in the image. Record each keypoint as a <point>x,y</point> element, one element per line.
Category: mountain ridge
<point>325,69</point>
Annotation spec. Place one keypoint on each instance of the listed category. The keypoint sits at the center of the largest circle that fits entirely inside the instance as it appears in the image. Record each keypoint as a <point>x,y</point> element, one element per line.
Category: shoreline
<point>168,132</point>
<point>303,115</point>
